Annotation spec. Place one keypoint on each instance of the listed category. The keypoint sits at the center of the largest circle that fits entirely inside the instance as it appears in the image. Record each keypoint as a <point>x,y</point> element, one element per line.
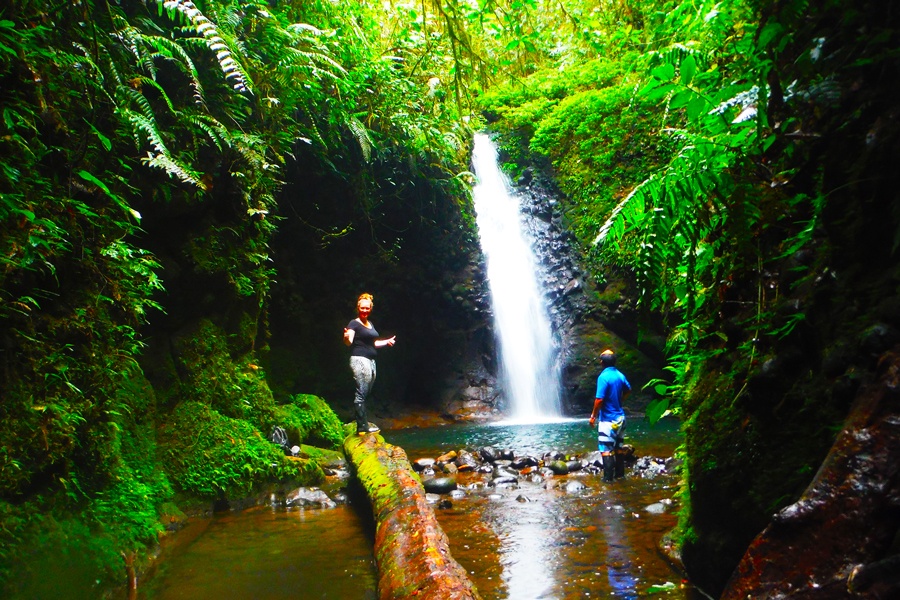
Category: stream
<point>527,542</point>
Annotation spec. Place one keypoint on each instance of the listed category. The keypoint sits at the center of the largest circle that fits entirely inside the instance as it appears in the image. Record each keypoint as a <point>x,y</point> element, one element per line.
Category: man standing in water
<point>612,389</point>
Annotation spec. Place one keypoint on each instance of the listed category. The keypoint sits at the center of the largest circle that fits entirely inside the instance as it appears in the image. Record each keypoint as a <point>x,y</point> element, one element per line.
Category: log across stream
<point>412,553</point>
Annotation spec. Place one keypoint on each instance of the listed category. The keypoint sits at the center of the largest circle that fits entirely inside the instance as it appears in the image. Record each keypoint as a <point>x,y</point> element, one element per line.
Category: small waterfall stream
<point>530,369</point>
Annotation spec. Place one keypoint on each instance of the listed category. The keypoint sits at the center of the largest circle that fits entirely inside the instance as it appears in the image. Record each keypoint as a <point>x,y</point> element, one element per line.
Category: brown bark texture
<point>412,552</point>
<point>837,540</point>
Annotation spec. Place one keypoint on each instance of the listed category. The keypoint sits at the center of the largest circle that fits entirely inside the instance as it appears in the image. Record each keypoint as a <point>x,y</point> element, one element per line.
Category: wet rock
<point>423,463</point>
<point>594,458</point>
<point>444,504</point>
<point>648,466</point>
<point>432,498</point>
<point>458,493</point>
<point>504,480</point>
<point>573,465</point>
<point>524,461</point>
<point>559,467</point>
<point>466,461</point>
<point>553,455</point>
<point>309,498</point>
<point>439,485</point>
<point>450,468</point>
<point>448,457</point>
<point>575,487</point>
<point>489,454</point>
<point>546,472</point>
<point>657,508</point>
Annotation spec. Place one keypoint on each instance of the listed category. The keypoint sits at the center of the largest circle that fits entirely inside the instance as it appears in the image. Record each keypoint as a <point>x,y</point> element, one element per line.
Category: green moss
<point>56,557</point>
<point>210,455</point>
<point>234,387</point>
<point>309,419</point>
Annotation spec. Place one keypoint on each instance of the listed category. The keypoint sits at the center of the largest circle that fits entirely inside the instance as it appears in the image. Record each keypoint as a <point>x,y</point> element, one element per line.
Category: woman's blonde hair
<point>368,297</point>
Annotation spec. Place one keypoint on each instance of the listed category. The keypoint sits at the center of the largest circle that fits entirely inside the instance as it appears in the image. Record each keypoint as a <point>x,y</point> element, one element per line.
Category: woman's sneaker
<point>372,428</point>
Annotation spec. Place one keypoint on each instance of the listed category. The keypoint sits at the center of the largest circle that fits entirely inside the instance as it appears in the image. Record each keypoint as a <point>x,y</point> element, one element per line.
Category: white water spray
<point>530,370</point>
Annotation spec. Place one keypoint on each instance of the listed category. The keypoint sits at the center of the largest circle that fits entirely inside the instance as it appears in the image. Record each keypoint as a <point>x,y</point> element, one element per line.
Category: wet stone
<point>575,486</point>
<point>439,485</point>
<point>309,498</point>
<point>559,467</point>
<point>423,463</point>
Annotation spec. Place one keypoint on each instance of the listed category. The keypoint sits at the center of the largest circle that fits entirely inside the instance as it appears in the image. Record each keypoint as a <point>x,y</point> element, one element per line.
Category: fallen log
<point>412,552</point>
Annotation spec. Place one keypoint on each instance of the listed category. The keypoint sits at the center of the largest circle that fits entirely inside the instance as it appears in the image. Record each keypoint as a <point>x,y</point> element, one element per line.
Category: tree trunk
<point>412,552</point>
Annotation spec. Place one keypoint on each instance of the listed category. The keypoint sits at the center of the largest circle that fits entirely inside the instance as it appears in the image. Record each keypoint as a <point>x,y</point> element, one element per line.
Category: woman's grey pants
<point>364,373</point>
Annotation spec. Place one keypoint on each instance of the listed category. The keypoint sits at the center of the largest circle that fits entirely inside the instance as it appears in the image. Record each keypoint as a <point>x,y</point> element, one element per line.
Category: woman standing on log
<point>364,342</point>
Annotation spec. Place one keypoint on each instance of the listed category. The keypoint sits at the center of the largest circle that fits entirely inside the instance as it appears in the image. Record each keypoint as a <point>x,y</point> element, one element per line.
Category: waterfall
<point>530,371</point>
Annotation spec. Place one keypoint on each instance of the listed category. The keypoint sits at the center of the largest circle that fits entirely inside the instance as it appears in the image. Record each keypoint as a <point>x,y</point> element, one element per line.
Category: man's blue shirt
<point>611,386</point>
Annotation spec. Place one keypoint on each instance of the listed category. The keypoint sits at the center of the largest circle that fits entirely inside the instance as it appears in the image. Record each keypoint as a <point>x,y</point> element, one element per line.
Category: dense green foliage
<point>144,145</point>
<point>151,152</point>
<point>762,131</point>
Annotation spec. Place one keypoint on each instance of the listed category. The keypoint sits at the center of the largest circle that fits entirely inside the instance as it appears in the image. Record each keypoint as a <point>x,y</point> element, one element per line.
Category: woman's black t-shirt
<point>363,339</point>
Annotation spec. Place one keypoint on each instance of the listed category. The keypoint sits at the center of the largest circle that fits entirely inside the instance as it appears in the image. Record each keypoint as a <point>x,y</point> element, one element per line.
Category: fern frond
<point>174,168</point>
<point>172,50</point>
<point>211,126</point>
<point>215,41</point>
<point>147,125</point>
<point>362,136</point>
<point>152,83</point>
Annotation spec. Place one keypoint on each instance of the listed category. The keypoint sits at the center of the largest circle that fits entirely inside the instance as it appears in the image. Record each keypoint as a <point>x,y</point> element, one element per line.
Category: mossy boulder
<point>208,372</point>
<point>309,420</point>
<point>208,454</point>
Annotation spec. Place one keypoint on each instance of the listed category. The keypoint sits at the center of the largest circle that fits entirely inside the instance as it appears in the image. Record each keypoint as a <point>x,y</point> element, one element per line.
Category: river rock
<point>657,508</point>
<point>504,481</point>
<point>595,458</point>
<point>457,494</point>
<point>575,486</point>
<point>559,467</point>
<point>573,465</point>
<point>432,498</point>
<point>309,498</point>
<point>489,454</point>
<point>554,455</point>
<point>439,485</point>
<point>523,461</point>
<point>448,457</point>
<point>422,464</point>
<point>466,461</point>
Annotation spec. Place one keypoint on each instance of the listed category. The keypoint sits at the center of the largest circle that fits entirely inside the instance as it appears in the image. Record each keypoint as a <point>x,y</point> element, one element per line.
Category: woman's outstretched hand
<point>386,341</point>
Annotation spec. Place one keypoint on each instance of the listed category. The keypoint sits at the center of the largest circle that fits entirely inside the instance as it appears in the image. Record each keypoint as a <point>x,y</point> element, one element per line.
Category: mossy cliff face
<point>759,422</point>
<point>414,249</point>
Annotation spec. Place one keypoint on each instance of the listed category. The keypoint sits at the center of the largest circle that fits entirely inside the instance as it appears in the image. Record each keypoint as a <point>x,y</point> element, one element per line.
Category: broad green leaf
<point>657,409</point>
<point>681,99</point>
<point>664,72</point>
<point>696,107</point>
<point>88,177</point>
<point>103,139</point>
<point>688,69</point>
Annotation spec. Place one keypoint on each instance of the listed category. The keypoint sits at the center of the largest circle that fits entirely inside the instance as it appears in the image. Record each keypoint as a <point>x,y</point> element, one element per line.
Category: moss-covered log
<point>412,552</point>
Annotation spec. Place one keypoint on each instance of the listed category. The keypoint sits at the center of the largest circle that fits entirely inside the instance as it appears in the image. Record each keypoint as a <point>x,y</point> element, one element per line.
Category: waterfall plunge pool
<point>523,543</point>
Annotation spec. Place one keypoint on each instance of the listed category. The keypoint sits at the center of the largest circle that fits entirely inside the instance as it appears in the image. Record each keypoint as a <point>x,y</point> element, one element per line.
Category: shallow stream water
<point>521,543</point>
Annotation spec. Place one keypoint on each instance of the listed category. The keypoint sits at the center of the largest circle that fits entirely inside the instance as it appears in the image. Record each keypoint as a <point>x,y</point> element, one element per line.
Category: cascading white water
<point>530,370</point>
